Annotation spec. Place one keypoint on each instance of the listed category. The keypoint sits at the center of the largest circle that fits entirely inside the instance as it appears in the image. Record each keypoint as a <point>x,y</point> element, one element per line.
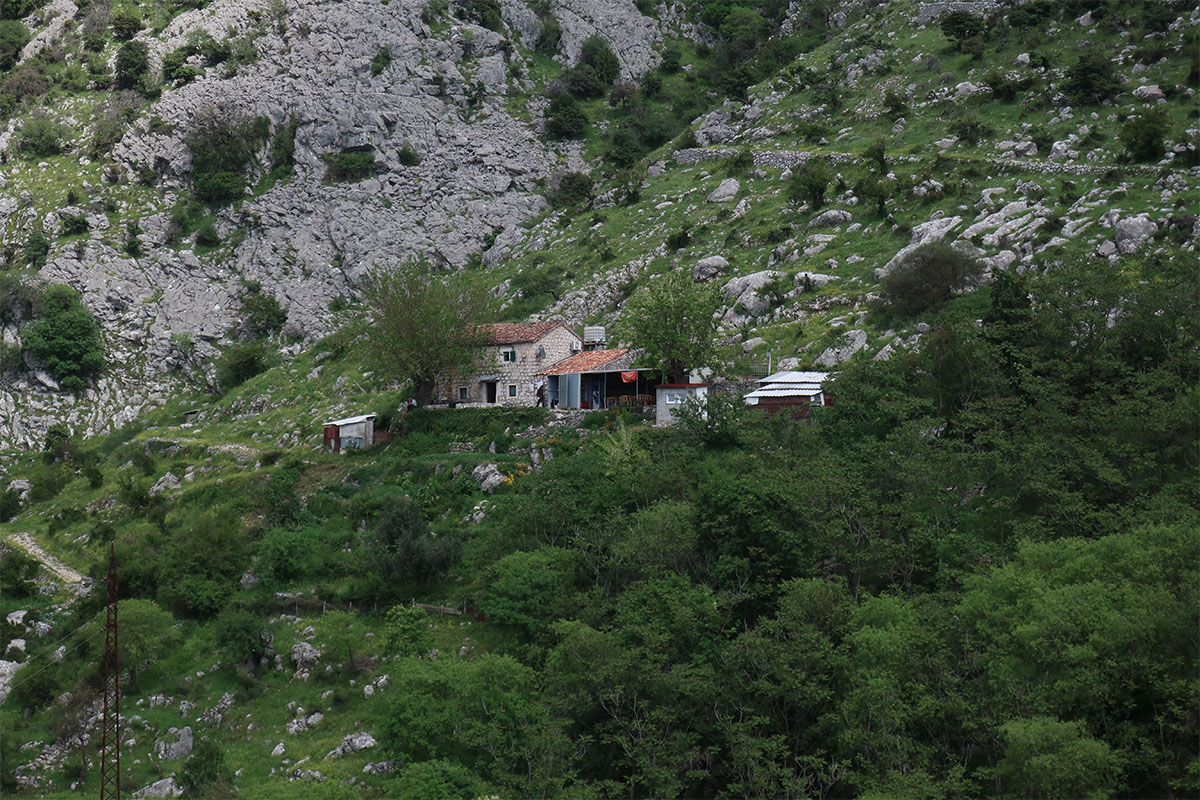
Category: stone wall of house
<point>522,373</point>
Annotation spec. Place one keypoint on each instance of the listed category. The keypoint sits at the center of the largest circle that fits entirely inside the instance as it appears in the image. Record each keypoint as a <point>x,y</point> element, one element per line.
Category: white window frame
<point>512,390</point>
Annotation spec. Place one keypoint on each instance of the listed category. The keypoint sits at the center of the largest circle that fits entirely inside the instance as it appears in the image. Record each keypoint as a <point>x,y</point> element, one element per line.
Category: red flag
<point>629,377</point>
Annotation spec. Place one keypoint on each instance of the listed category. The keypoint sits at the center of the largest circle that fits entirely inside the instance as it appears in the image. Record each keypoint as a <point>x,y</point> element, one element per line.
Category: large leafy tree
<point>672,319</point>
<point>423,326</point>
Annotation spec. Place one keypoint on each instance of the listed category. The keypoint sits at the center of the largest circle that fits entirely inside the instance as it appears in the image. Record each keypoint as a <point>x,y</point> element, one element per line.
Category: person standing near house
<point>541,395</point>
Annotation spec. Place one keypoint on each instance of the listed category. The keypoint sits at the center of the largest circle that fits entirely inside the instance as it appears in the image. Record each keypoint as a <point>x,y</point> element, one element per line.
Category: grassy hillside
<point>982,552</point>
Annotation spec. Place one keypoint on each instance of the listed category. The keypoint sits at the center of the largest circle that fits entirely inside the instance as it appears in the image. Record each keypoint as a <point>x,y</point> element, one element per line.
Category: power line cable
<point>28,678</point>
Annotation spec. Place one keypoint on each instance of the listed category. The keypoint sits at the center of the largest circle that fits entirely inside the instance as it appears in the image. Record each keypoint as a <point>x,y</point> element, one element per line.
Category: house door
<point>490,388</point>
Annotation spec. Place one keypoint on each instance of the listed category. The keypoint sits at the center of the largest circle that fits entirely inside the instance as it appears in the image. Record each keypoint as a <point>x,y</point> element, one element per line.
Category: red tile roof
<point>587,361</point>
<point>516,332</point>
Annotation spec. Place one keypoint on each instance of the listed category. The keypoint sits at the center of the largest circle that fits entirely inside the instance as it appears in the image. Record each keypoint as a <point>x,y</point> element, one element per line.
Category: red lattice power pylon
<point>110,740</point>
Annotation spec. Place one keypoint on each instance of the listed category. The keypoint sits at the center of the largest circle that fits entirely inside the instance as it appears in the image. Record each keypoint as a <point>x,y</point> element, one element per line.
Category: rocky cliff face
<point>444,94</point>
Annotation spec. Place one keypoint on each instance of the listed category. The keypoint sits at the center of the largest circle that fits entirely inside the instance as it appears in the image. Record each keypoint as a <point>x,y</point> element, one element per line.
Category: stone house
<point>512,356</point>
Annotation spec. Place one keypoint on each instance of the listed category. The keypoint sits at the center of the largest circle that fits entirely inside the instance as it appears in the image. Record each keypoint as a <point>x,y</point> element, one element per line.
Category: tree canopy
<point>424,327</point>
<point>672,318</point>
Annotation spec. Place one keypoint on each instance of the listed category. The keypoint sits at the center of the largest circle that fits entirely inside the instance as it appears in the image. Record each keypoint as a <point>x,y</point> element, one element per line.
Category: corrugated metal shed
<point>351,420</point>
<point>786,384</point>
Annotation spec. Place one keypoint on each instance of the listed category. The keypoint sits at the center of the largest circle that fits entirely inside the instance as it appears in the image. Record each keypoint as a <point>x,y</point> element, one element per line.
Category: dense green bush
<point>928,277</point>
<point>408,155</point>
<point>402,550</point>
<point>126,25</point>
<point>574,189</point>
<point>809,182</point>
<point>73,224</point>
<point>133,60</point>
<point>595,52</point>
<point>175,68</point>
<point>21,298</point>
<point>564,118</point>
<point>67,338</point>
<point>223,144</point>
<point>485,13</point>
<point>583,83</point>
<point>207,236</point>
<point>970,129</point>
<point>549,36</point>
<point>1092,78</point>
<point>349,166</point>
<point>1144,134</point>
<point>17,569</point>
<point>958,26</point>
<point>262,314</point>
<point>381,60</point>
<point>13,37</point>
<point>42,136</point>
<point>239,363</point>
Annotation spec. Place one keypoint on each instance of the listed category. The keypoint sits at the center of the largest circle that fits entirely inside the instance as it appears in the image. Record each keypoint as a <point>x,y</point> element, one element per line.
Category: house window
<point>512,390</point>
<point>817,399</point>
<point>508,355</point>
<point>462,393</point>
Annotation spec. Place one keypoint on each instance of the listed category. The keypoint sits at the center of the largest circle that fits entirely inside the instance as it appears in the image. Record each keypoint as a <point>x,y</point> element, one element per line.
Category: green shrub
<point>41,136</point>
<point>205,773</point>
<point>133,60</point>
<point>126,25</point>
<point>218,188</point>
<point>286,555</point>
<point>679,239</point>
<point>381,60</point>
<point>175,68</point>
<point>67,338</point>
<point>133,245</point>
<point>37,248</point>
<point>349,166</point>
<point>402,549</point>
<point>13,38</point>
<point>672,58</point>
<point>239,363</point>
<point>583,83</point>
<point>564,118</point>
<point>408,156</point>
<point>1007,86</point>
<point>970,129</point>
<point>1092,78</point>
<point>549,36</point>
<point>741,163</point>
<point>262,313</point>
<point>596,53</point>
<point>223,144</point>
<point>207,236</point>
<point>1031,14</point>
<point>1144,134</point>
<point>485,13</point>
<point>809,182</point>
<point>17,570</point>
<point>73,224</point>
<point>928,277</point>
<point>574,189</point>
<point>959,26</point>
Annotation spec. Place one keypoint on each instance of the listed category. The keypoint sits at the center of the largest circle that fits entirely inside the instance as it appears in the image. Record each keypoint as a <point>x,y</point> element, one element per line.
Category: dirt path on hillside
<point>27,543</point>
